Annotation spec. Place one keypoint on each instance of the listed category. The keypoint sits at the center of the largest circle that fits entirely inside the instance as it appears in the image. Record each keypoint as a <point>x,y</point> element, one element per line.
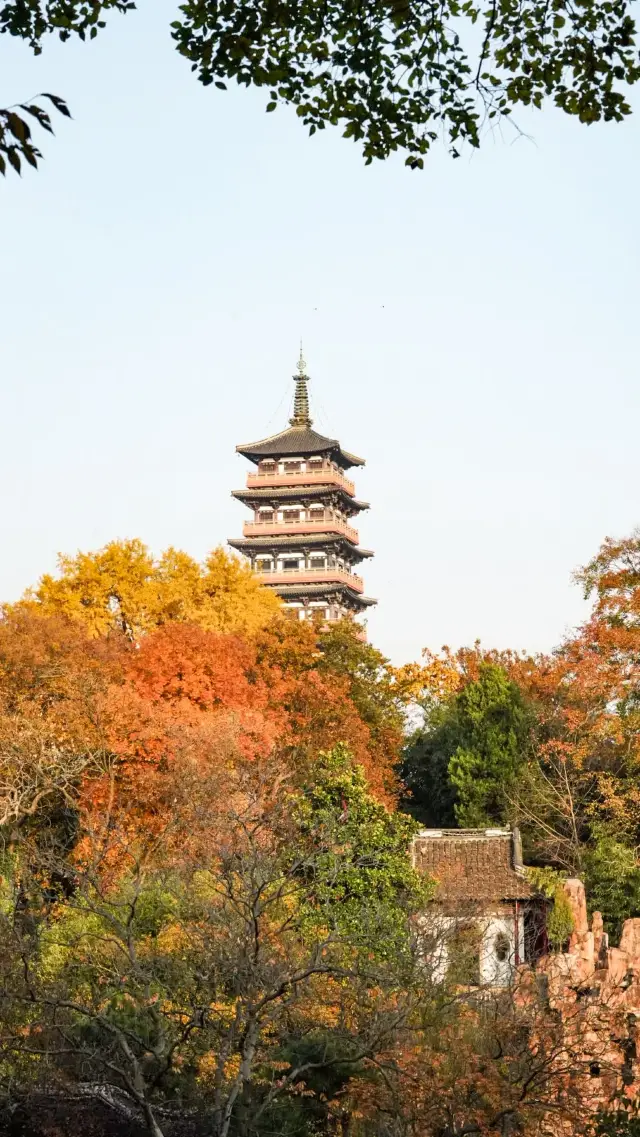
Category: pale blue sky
<point>472,331</point>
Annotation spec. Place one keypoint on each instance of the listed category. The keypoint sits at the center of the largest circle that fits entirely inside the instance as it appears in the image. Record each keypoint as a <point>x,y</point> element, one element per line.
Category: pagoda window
<point>318,562</point>
<point>263,566</point>
<point>316,513</point>
<point>290,565</point>
<point>292,467</point>
<point>291,515</point>
<point>314,464</point>
<point>267,467</point>
<point>265,515</point>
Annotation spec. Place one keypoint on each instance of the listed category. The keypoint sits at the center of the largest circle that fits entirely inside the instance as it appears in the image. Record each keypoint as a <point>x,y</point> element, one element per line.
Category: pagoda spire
<point>301,415</point>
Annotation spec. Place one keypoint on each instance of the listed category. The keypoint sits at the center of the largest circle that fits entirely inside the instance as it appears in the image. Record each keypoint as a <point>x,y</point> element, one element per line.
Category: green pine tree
<point>460,765</point>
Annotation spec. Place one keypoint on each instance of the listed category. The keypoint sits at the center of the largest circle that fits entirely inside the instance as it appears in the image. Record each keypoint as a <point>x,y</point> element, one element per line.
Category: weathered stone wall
<point>595,989</point>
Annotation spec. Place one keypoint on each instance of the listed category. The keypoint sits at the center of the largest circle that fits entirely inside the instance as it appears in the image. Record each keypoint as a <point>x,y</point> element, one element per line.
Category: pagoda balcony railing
<point>327,476</point>
<point>313,576</point>
<point>327,525</point>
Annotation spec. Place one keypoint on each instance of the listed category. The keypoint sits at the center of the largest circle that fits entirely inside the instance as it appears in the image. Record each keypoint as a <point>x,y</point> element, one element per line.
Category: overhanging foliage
<point>394,75</point>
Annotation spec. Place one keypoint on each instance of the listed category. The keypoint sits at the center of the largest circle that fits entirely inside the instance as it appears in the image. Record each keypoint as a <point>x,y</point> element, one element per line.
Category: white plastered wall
<point>498,937</point>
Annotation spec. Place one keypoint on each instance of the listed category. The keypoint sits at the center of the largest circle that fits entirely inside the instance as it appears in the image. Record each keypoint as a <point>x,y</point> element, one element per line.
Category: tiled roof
<point>298,440</point>
<point>300,540</point>
<point>471,864</point>
<point>290,591</point>
<point>293,493</point>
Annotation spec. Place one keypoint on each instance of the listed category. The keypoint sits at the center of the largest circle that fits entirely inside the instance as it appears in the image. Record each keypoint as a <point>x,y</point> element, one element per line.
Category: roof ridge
<point>465,834</point>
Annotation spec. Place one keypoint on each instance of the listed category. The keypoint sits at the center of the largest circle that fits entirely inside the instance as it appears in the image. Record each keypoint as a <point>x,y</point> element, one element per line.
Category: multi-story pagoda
<point>300,539</point>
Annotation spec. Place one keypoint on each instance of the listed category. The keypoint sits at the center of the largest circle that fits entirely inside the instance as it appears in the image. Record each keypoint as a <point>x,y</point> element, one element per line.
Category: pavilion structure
<point>301,539</point>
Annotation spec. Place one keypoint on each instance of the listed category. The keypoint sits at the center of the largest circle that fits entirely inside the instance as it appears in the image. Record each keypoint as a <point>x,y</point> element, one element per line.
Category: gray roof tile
<point>298,440</point>
<point>470,864</point>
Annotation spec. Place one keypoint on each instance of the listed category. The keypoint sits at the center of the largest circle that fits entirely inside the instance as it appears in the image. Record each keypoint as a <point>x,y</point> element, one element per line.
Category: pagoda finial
<point>301,415</point>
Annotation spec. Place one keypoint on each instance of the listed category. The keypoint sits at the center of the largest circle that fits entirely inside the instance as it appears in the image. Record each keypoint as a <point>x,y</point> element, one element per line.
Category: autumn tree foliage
<point>253,967</point>
<point>577,793</point>
<point>333,687</point>
<point>208,914</point>
<point>123,588</point>
<point>160,738</point>
<point>278,695</point>
<point>261,935</point>
<point>119,662</point>
<point>54,684</point>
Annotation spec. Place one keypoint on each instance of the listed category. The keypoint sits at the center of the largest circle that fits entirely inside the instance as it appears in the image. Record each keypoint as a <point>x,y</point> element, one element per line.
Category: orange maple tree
<point>135,661</point>
<point>268,700</point>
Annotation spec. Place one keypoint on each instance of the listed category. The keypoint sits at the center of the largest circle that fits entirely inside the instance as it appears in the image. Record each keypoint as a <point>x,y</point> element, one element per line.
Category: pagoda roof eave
<point>297,440</point>
<point>296,541</point>
<point>282,493</point>
<point>289,591</point>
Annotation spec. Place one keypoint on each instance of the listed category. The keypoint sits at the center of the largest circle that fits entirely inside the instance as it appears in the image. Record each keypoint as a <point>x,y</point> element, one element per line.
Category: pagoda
<point>300,539</point>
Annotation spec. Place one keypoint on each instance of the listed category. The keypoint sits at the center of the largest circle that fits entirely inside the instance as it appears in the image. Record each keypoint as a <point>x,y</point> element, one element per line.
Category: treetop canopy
<point>395,75</point>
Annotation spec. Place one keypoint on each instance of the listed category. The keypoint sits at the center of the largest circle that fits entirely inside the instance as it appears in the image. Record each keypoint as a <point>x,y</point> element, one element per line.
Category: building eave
<point>297,541</point>
<point>293,493</point>
<point>291,591</point>
<point>297,441</point>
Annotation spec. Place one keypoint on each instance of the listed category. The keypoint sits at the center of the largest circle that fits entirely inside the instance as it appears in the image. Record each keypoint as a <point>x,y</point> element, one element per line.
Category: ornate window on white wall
<point>498,957</point>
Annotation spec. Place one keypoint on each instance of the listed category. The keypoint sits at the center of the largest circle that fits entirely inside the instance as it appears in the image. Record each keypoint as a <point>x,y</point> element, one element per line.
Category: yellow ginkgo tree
<point>123,587</point>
